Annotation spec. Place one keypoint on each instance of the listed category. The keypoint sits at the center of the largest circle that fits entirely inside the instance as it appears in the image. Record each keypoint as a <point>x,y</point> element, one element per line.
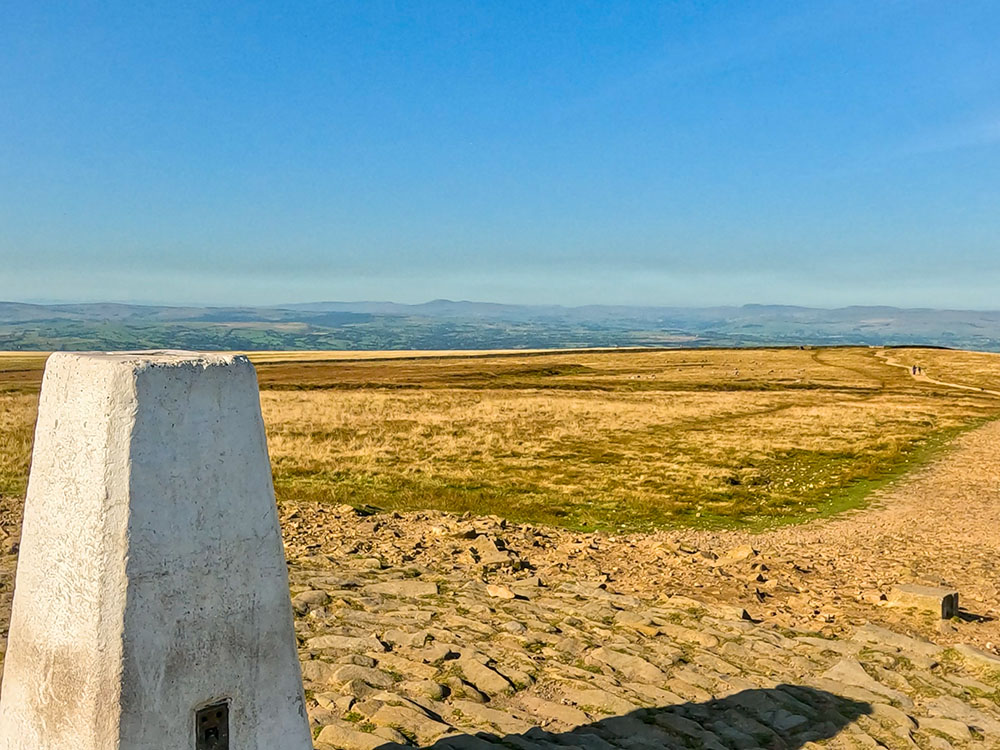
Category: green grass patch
<point>789,487</point>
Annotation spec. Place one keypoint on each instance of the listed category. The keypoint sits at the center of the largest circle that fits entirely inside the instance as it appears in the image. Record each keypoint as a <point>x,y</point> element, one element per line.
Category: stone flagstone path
<point>441,659</point>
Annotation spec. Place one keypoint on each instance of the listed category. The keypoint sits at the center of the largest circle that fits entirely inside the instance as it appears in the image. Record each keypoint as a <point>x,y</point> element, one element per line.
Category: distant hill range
<point>444,324</point>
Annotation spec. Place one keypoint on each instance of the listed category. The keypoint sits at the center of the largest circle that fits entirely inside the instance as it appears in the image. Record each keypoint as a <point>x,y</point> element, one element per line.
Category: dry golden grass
<point>17,422</point>
<point>606,439</point>
<point>271,357</point>
<point>977,369</point>
<point>587,439</point>
<point>21,371</point>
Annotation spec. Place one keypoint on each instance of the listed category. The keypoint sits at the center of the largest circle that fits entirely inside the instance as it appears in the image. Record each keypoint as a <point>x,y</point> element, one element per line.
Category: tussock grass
<point>17,423</point>
<point>616,440</point>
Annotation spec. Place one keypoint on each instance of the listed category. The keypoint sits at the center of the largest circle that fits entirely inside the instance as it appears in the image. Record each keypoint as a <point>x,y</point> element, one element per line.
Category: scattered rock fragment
<point>499,591</point>
<point>728,611</point>
<point>490,555</point>
<point>343,735</point>
<point>369,675</point>
<point>483,678</point>
<point>940,601</point>
<point>319,672</point>
<point>850,672</point>
<point>633,667</point>
<point>873,634</point>
<point>979,656</point>
<point>737,554</point>
<point>346,643</point>
<point>308,600</point>
<point>549,712</point>
<point>412,720</point>
<point>404,588</point>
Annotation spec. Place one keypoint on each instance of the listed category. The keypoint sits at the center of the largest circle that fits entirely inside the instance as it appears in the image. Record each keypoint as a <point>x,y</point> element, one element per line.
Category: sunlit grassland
<point>612,440</point>
<point>281,357</point>
<point>976,369</point>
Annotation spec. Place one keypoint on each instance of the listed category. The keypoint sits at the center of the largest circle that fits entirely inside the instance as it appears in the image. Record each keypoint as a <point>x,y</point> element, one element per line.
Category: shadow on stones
<point>965,616</point>
<point>786,717</point>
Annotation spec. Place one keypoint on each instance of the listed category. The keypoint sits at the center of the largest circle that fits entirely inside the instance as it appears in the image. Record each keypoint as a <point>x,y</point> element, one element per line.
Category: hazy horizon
<point>459,301</point>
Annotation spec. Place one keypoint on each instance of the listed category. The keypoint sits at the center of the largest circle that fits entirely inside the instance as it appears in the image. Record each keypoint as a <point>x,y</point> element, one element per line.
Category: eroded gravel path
<point>939,525</point>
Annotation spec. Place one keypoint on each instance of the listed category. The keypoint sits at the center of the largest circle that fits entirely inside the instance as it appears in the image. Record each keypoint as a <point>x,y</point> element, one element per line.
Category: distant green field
<point>448,325</point>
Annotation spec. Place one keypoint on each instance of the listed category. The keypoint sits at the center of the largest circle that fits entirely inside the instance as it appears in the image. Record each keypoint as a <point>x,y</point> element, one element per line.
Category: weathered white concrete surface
<point>151,579</point>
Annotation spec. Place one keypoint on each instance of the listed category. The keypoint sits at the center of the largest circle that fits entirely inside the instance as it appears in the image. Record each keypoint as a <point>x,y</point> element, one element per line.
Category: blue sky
<point>669,153</point>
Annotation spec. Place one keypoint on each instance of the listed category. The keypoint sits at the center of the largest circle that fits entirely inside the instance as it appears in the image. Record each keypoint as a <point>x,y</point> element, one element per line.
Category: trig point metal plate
<point>211,726</point>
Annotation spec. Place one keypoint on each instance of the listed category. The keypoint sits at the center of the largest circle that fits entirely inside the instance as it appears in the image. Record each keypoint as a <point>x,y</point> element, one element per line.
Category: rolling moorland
<point>444,324</point>
<point>612,440</point>
<point>676,624</point>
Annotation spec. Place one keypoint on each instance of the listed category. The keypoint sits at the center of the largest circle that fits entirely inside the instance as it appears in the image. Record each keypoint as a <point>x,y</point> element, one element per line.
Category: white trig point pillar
<point>151,608</point>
